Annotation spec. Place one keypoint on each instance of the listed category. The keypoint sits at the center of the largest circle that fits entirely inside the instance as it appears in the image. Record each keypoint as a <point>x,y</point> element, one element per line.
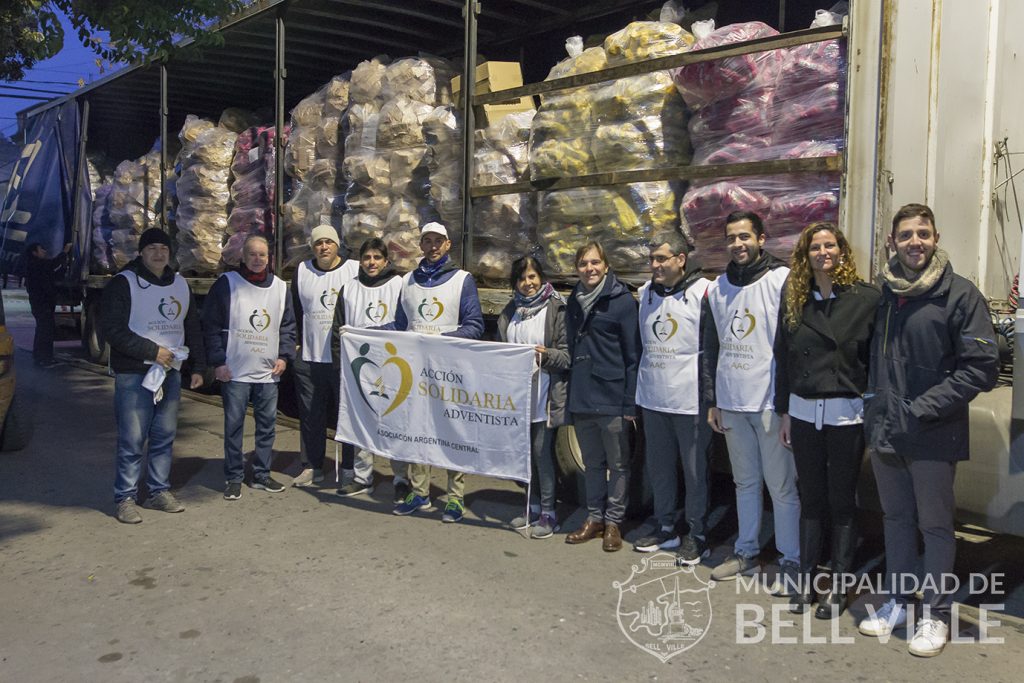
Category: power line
<point>36,98</point>
<point>48,92</point>
<point>33,80</point>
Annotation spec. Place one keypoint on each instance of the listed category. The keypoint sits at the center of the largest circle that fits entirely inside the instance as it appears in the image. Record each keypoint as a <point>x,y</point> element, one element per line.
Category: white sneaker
<point>930,638</point>
<point>889,617</point>
<point>308,477</point>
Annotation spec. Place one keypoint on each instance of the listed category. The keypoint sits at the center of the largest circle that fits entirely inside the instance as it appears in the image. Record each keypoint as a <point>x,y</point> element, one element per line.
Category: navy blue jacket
<point>604,352</point>
<point>471,318</point>
<point>930,356</point>
<point>216,317</point>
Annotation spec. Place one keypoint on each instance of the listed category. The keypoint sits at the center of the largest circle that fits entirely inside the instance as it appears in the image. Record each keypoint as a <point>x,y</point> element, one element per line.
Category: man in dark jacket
<point>41,276</point>
<point>249,331</point>
<point>152,324</point>
<point>933,351</point>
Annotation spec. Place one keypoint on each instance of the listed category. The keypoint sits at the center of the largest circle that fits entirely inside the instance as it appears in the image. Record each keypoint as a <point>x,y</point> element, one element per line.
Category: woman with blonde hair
<point>821,368</point>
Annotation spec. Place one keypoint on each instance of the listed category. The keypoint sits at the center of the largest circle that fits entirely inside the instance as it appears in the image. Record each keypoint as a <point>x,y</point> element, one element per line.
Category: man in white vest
<point>152,324</point>
<point>739,320</point>
<point>437,298</point>
<point>315,289</point>
<point>668,391</point>
<point>369,300</point>
<point>249,330</point>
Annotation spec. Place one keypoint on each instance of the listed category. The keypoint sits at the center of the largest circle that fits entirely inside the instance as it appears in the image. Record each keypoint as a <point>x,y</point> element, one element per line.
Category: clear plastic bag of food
<point>642,40</point>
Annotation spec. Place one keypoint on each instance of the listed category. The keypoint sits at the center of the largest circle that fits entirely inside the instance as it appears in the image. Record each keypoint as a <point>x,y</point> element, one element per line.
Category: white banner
<point>454,403</point>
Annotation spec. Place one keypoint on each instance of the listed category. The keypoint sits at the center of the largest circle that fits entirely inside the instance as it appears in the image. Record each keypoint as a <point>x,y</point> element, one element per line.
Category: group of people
<point>799,367</point>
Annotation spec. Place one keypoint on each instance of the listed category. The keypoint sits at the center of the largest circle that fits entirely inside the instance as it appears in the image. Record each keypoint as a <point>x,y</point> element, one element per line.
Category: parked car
<point>14,415</point>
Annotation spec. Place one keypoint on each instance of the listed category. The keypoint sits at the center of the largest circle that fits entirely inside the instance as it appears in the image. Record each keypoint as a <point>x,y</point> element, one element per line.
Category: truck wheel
<point>96,348</point>
<point>570,469</point>
<point>17,427</point>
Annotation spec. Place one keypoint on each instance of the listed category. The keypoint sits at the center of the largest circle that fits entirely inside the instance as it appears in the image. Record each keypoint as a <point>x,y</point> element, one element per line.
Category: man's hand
<point>715,420</point>
<point>279,365</point>
<point>67,247</point>
<point>222,373</point>
<point>541,350</point>
<point>164,357</point>
<point>784,432</point>
<point>197,381</point>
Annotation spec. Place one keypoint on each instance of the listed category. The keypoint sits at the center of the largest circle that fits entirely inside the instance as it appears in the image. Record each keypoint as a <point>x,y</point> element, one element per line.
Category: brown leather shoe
<point>588,531</point>
<point>612,538</point>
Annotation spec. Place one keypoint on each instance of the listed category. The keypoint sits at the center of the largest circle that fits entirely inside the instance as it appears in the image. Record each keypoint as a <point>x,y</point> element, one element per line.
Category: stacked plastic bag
<point>632,123</point>
<point>779,104</point>
<point>204,164</point>
<point>132,205</point>
<point>252,191</point>
<point>504,226</point>
<point>313,158</point>
<point>403,155</point>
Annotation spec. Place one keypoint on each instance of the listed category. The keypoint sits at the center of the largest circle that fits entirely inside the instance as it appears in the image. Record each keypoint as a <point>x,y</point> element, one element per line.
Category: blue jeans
<point>235,397</point>
<point>138,420</point>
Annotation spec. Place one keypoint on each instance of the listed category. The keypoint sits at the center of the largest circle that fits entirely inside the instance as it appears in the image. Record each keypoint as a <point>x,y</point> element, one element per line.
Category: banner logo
<point>329,298</point>
<point>663,608</point>
<point>432,311</point>
<point>169,308</point>
<point>743,325</point>
<point>373,379</point>
<point>377,311</point>
<point>259,321</point>
<point>664,329</point>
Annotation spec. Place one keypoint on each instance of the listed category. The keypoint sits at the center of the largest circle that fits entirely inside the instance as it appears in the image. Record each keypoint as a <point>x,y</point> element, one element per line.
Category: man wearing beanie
<point>152,324</point>
<point>315,290</point>
<point>249,330</point>
<point>933,351</point>
<point>437,298</point>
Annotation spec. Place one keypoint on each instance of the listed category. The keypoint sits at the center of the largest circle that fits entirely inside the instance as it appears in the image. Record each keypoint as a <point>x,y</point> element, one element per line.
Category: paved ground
<point>305,586</point>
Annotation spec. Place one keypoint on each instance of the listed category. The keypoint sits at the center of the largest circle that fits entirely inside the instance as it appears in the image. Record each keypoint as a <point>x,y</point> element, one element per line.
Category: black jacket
<point>604,349</point>
<point>555,360</point>
<point>41,276</point>
<point>129,351</point>
<point>930,356</point>
<point>740,276</point>
<point>826,356</point>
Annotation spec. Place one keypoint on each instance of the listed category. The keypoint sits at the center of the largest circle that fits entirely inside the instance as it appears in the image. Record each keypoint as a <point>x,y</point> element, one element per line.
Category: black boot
<point>844,544</point>
<point>810,552</point>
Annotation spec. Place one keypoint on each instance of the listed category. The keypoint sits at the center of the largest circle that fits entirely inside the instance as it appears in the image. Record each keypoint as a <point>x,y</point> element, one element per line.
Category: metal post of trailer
<point>470,12</point>
<point>80,167</point>
<point>163,147</point>
<point>279,76</point>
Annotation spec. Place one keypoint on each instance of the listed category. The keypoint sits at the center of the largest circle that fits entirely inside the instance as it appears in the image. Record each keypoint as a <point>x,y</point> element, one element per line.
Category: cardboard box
<point>491,77</point>
<point>492,113</point>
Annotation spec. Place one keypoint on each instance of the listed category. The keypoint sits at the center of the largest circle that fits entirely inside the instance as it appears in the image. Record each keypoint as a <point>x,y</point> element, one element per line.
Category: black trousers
<point>316,387</point>
<point>827,467</point>
<point>46,324</point>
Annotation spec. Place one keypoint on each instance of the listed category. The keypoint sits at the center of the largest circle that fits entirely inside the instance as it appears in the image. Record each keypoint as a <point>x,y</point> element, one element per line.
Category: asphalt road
<point>306,586</point>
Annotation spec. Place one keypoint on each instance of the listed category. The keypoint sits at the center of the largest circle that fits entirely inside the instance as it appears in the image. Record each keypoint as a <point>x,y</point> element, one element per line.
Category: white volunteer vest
<point>746,318</point>
<point>667,379</point>
<point>318,293</point>
<point>531,331</point>
<point>254,328</point>
<point>371,306</point>
<point>158,312</point>
<point>433,310</point>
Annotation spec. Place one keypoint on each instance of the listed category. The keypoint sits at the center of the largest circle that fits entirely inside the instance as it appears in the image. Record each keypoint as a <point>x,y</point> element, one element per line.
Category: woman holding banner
<point>536,316</point>
<point>604,348</point>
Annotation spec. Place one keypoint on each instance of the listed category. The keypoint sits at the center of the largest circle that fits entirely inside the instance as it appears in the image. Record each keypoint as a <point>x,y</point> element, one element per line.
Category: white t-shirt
<point>433,310</point>
<point>318,292</point>
<point>254,328</point>
<point>158,311</point>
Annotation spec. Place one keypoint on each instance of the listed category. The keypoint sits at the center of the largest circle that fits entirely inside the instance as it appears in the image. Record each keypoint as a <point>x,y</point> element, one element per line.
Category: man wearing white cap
<point>437,298</point>
<point>315,289</point>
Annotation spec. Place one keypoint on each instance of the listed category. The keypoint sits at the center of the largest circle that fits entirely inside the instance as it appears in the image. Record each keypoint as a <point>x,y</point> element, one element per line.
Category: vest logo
<point>329,298</point>
<point>374,389</point>
<point>742,325</point>
<point>664,329</point>
<point>259,321</point>
<point>169,308</point>
<point>432,311</point>
<point>377,311</point>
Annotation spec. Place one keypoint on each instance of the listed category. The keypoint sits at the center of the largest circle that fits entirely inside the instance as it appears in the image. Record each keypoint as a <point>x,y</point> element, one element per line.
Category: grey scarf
<point>895,275</point>
<point>588,299</point>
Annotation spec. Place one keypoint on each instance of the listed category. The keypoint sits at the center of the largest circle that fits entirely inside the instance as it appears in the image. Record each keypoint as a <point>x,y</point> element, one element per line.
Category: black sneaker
<point>692,550</point>
<point>354,488</point>
<point>233,491</point>
<point>266,483</point>
<point>402,491</point>
<point>660,539</point>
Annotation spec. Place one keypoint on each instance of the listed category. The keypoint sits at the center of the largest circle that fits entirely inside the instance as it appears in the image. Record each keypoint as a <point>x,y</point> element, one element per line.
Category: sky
<point>58,74</point>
